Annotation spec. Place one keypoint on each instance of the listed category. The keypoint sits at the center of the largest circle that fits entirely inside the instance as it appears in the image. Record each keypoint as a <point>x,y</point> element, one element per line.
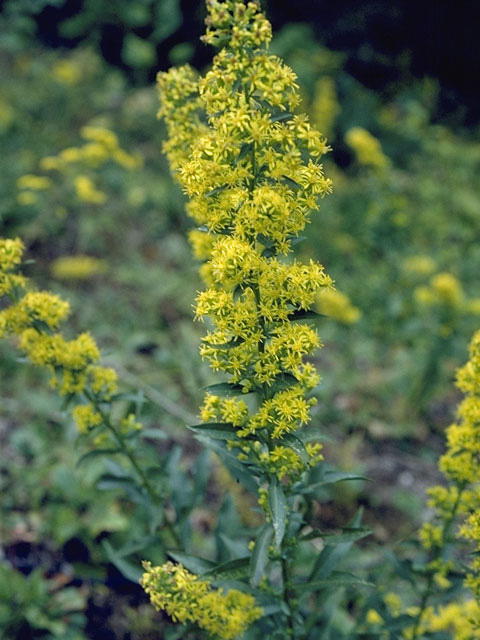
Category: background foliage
<point>399,235</point>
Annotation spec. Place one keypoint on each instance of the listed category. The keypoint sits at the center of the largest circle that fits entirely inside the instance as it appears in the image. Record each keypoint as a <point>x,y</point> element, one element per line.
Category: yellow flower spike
<point>78,267</point>
<point>86,418</point>
<point>103,136</point>
<point>103,380</point>
<point>325,107</point>
<point>11,251</point>
<point>35,183</point>
<point>367,148</point>
<point>35,307</point>
<point>448,289</point>
<point>337,305</point>
<point>251,169</point>
<point>460,464</point>
<point>420,265</point>
<point>86,190</point>
<point>187,598</point>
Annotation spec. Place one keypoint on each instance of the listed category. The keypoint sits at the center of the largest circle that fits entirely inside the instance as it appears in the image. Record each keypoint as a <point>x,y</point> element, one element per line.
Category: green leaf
<point>241,474</point>
<point>297,445</point>
<point>349,534</point>
<point>305,314</point>
<point>259,559</point>
<point>283,381</point>
<point>335,579</point>
<point>192,563</point>
<point>168,18</point>
<point>226,345</point>
<point>95,453</point>
<point>201,472</point>
<point>399,623</point>
<point>130,396</point>
<point>225,389</point>
<point>136,545</point>
<point>108,481</point>
<point>138,52</point>
<point>291,183</point>
<point>332,555</point>
<point>244,151</point>
<point>278,510</point>
<point>403,568</point>
<point>214,192</point>
<point>296,239</point>
<point>231,569</point>
<point>154,434</point>
<point>269,252</point>
<point>127,569</point>
<point>235,467</point>
<point>332,477</point>
<point>216,430</point>
<point>281,117</point>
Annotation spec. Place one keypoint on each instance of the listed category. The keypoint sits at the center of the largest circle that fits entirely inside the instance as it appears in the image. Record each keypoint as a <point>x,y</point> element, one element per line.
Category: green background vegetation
<point>387,393</point>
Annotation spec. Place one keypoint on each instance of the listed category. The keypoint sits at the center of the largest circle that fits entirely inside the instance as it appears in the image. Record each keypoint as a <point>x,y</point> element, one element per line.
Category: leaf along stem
<point>127,452</point>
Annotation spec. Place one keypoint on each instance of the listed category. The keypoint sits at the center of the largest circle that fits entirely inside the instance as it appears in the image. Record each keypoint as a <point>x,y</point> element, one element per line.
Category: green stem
<point>127,452</point>
<point>286,596</point>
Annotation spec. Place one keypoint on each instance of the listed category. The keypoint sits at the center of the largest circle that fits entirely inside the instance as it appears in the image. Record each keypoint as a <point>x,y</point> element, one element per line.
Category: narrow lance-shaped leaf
<point>331,555</point>
<point>332,477</point>
<point>216,430</point>
<point>225,389</point>
<point>196,565</point>
<point>278,510</point>
<point>259,559</point>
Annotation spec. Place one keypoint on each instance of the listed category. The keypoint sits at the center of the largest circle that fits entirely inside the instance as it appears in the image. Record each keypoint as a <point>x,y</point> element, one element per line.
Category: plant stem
<point>286,597</point>
<point>127,452</point>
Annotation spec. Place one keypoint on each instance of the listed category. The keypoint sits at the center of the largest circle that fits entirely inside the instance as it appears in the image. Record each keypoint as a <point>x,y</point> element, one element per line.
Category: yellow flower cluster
<point>461,465</point>
<point>86,190</point>
<point>188,599</point>
<point>78,267</point>
<point>86,417</point>
<point>34,317</point>
<point>34,309</point>
<point>443,289</point>
<point>30,185</point>
<point>445,292</point>
<point>250,167</point>
<point>420,265</point>
<point>33,182</point>
<point>367,148</point>
<point>325,107</point>
<point>11,251</point>
<point>101,146</point>
<point>67,72</point>
<point>337,305</point>
<point>460,620</point>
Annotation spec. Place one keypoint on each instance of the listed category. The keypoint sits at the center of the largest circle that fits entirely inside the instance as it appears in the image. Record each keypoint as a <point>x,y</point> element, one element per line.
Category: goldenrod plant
<point>444,575</point>
<point>251,168</point>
